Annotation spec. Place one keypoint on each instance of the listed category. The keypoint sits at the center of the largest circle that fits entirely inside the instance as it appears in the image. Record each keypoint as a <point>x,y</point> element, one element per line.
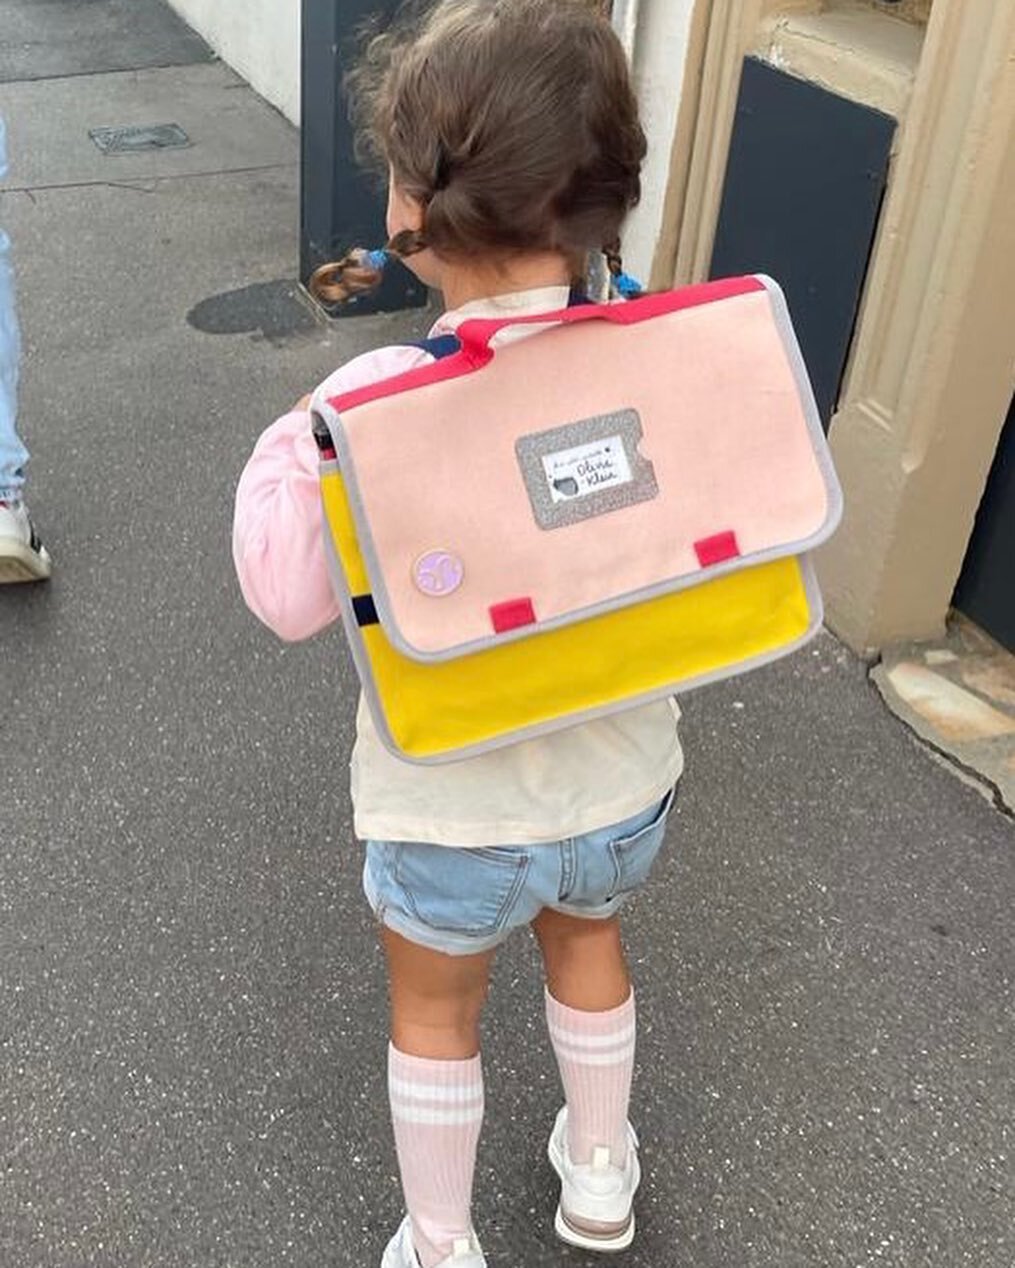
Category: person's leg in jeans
<point>22,555</point>
<point>13,454</point>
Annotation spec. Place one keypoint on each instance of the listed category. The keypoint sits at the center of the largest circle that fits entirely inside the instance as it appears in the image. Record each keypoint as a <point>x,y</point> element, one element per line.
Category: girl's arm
<point>278,529</point>
<point>278,545</point>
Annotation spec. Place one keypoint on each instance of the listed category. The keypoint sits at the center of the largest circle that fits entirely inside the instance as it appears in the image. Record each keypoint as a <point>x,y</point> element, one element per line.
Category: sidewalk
<point>192,1044</point>
<point>958,695</point>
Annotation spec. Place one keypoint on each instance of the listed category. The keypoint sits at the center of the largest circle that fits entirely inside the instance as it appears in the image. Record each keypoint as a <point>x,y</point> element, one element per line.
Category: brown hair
<point>512,122</point>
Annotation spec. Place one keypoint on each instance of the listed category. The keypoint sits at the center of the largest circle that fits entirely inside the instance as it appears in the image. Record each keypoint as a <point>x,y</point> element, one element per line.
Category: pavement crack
<point>968,774</point>
<point>962,770</point>
<point>98,183</point>
<point>136,189</point>
<point>209,59</point>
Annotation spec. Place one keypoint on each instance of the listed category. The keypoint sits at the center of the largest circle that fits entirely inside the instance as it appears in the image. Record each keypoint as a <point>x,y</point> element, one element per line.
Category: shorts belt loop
<point>567,868</point>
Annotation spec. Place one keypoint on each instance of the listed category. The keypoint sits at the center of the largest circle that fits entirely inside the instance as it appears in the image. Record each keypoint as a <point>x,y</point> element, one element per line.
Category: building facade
<point>863,152</point>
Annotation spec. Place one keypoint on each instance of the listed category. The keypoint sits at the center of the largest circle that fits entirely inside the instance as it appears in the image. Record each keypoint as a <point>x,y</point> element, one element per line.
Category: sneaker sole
<point>607,1239</point>
<point>605,1244</point>
<point>19,563</point>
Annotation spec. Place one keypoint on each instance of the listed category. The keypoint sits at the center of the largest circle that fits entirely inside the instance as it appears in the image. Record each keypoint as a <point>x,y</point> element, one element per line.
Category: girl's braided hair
<point>513,123</point>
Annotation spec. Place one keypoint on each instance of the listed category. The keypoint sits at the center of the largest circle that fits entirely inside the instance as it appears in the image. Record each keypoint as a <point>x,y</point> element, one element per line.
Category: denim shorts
<point>464,901</point>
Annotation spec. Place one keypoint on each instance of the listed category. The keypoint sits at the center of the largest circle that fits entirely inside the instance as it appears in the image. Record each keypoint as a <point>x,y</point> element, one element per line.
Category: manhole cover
<point>154,136</point>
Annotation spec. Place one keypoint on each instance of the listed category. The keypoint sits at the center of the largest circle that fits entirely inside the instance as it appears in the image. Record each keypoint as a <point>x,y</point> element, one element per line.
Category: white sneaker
<point>401,1253</point>
<point>596,1199</point>
<point>22,556</point>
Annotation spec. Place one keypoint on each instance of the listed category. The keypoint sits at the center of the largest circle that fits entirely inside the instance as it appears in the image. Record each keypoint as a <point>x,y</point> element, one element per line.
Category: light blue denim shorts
<point>464,901</point>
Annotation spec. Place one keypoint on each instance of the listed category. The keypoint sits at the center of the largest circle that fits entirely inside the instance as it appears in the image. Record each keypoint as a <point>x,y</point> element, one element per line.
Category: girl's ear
<point>404,212</point>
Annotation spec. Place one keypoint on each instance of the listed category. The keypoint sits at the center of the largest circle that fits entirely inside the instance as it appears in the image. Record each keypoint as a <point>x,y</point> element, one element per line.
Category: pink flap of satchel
<point>625,452</point>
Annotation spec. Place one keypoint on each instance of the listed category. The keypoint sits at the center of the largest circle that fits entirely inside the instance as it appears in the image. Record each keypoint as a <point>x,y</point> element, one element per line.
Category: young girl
<point>511,134</point>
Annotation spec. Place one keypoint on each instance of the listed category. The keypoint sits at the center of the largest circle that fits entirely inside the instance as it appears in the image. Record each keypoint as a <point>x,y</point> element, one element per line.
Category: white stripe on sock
<point>435,1091</point>
<point>435,1117</point>
<point>577,1039</point>
<point>580,1056</point>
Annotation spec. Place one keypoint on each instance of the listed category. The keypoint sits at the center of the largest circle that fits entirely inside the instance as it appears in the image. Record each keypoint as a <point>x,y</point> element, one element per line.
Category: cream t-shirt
<point>547,789</point>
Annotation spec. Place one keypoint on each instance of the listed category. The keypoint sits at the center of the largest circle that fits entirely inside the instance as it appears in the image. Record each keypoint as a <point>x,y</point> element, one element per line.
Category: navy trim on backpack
<point>439,347</point>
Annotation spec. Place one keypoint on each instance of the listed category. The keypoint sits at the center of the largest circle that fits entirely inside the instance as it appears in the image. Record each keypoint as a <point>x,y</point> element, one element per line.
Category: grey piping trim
<point>819,446</point>
<point>819,441</point>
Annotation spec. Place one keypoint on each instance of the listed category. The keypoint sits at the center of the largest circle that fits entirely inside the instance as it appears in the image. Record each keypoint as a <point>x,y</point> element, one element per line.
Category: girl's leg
<point>435,1083</point>
<point>591,1017</point>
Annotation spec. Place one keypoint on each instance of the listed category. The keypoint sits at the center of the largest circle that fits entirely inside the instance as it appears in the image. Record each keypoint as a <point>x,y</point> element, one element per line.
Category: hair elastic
<point>626,286</point>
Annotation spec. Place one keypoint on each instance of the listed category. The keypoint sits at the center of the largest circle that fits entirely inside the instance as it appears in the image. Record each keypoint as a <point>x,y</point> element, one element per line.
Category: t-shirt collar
<point>542,299</point>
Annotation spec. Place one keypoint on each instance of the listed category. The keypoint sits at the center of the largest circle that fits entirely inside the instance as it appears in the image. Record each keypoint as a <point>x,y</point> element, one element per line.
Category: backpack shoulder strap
<point>439,347</point>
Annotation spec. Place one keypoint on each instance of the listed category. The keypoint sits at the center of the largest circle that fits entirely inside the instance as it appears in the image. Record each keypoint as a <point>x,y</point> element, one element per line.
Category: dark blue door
<point>342,206</point>
<point>986,589</point>
<point>805,181</point>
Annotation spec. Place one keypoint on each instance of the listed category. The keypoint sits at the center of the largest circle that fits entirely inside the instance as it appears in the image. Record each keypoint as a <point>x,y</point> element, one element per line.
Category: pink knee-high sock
<point>437,1111</point>
<point>595,1053</point>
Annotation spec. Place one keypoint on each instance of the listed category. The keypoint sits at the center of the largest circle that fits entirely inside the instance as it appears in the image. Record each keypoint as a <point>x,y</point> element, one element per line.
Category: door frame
<point>930,374</point>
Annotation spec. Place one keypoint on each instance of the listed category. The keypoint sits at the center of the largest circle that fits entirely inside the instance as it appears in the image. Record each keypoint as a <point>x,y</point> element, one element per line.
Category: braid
<point>408,242</point>
<point>354,274</point>
<point>359,271</point>
<point>623,283</point>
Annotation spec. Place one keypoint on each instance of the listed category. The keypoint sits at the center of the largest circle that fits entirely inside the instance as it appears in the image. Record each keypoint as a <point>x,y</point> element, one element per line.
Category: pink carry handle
<point>475,335</point>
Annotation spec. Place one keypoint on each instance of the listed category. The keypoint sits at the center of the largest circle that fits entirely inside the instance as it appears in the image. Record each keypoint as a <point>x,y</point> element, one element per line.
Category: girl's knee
<point>449,1037</point>
<point>584,961</point>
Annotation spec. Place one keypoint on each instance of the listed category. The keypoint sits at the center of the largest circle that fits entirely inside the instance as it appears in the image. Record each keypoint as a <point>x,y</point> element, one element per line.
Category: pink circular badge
<point>438,573</point>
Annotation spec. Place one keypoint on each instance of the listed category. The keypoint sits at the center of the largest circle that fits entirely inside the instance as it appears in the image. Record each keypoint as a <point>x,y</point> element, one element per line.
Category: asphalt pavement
<point>192,1028</point>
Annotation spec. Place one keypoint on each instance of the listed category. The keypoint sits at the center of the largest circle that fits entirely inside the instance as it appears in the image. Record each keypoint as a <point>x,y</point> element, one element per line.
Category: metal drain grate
<point>155,136</point>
